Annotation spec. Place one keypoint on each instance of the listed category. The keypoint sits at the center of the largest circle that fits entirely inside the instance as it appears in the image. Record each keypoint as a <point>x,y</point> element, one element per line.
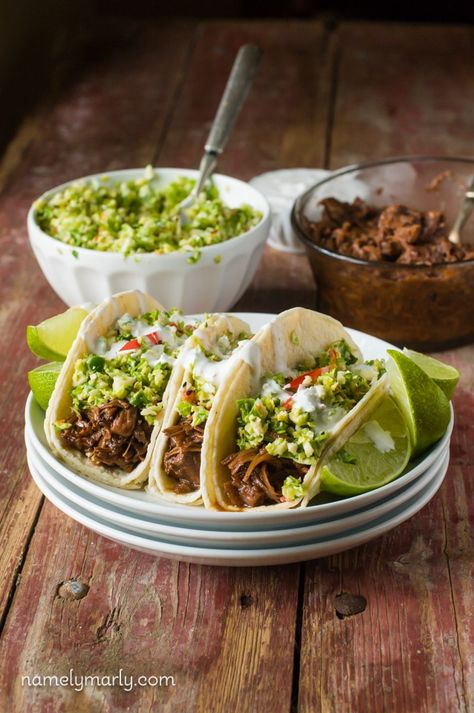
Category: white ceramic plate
<point>140,502</point>
<point>144,525</point>
<point>320,547</point>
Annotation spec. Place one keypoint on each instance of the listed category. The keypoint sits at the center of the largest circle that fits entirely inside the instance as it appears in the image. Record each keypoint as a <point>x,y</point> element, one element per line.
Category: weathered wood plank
<point>283,122</point>
<point>462,442</point>
<point>92,126</point>
<point>458,512</point>
<point>282,280</point>
<point>457,498</point>
<point>401,653</point>
<point>401,90</point>
<point>225,635</point>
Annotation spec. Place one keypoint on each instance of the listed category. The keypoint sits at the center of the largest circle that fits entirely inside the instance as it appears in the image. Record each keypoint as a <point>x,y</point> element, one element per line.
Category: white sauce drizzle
<point>381,439</point>
<point>249,352</point>
<point>367,371</point>
<point>212,372</point>
<point>309,399</point>
<point>272,389</point>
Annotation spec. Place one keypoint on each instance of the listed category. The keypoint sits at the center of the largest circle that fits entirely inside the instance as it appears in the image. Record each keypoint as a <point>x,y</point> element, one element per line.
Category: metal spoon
<point>240,80</point>
<point>463,214</point>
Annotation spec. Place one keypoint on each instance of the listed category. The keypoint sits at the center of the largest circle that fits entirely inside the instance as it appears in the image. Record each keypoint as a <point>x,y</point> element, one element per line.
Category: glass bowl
<point>425,307</point>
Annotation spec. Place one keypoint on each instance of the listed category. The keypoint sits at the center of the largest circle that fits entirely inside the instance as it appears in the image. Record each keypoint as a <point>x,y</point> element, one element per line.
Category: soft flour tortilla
<point>279,346</point>
<point>98,323</point>
<point>159,482</point>
<point>345,430</point>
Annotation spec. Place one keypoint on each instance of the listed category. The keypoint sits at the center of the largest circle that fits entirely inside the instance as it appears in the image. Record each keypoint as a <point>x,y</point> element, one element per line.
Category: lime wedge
<point>375,455</point>
<point>53,338</point>
<point>42,381</point>
<point>423,404</point>
<point>445,375</point>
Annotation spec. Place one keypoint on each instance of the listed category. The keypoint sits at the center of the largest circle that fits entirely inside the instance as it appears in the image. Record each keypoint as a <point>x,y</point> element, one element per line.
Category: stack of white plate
<point>193,534</point>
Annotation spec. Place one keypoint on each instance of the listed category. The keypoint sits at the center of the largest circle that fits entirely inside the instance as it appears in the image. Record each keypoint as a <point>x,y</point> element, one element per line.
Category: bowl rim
<point>136,258</point>
<point>381,264</point>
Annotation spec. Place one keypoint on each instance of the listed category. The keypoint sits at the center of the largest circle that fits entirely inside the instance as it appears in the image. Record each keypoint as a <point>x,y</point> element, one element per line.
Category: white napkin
<point>281,188</point>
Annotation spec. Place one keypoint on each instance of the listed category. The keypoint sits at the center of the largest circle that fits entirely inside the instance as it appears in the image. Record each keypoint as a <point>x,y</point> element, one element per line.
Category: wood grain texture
<point>282,280</point>
<point>458,512</point>
<point>283,121</point>
<point>216,631</point>
<point>402,652</point>
<point>402,89</point>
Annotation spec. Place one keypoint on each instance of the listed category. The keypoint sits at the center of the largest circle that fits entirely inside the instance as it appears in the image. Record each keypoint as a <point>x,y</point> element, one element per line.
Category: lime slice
<point>42,381</point>
<point>445,375</point>
<point>375,455</point>
<point>53,338</point>
<point>423,404</point>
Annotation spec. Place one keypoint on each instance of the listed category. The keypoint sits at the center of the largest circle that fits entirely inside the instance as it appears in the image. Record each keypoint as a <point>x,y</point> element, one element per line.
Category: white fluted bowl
<point>81,275</point>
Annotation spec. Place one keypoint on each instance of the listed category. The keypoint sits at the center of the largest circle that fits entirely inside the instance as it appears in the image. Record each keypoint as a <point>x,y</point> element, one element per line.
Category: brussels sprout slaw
<point>136,216</point>
<point>133,362</point>
<point>295,413</point>
<point>208,366</point>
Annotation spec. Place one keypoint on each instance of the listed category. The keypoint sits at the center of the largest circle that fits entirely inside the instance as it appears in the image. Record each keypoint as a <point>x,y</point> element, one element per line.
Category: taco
<point>108,403</point>
<point>281,416</point>
<point>209,359</point>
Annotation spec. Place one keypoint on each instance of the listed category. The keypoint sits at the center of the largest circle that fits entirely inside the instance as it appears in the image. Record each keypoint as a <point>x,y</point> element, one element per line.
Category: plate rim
<point>158,528</point>
<point>252,557</point>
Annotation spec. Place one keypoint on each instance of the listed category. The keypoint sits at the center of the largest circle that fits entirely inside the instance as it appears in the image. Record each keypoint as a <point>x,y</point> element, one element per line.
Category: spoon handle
<point>462,215</point>
<point>239,82</point>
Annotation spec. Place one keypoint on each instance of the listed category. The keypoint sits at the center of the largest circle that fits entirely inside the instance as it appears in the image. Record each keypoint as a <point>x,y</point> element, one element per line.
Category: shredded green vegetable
<point>137,217</point>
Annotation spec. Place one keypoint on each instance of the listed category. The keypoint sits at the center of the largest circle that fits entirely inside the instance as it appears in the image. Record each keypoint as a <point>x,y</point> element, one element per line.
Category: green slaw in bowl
<point>137,216</point>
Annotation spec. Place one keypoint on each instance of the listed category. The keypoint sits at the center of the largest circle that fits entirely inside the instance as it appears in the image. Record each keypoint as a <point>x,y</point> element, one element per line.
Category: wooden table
<point>264,639</point>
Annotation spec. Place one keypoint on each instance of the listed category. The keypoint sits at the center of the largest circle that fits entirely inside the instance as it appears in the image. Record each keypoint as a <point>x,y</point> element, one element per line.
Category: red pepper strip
<point>293,385</point>
<point>132,344</point>
<point>288,405</point>
<point>153,338</point>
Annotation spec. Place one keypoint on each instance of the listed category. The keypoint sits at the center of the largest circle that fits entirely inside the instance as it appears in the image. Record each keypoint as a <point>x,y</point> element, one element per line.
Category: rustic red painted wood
<point>401,653</point>
<point>216,631</point>
<point>402,90</point>
<point>283,121</point>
